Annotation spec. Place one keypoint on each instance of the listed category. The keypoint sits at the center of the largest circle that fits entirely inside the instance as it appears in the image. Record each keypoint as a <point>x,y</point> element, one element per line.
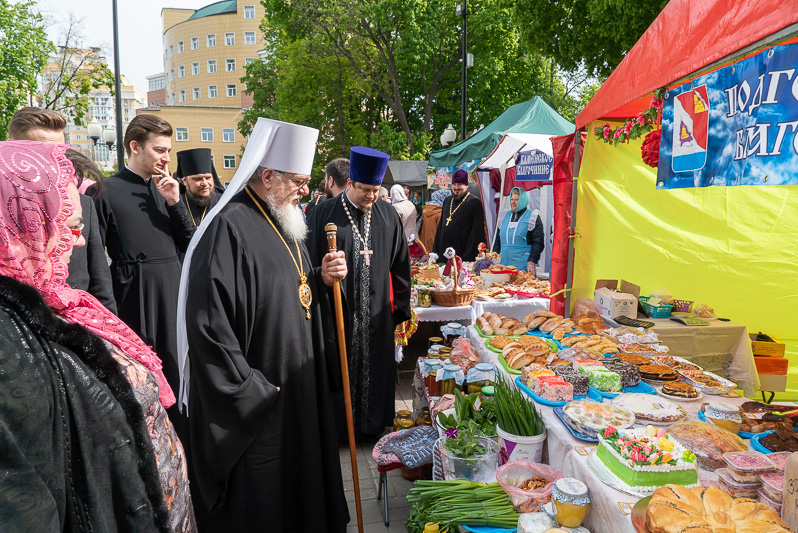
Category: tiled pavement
<point>399,507</point>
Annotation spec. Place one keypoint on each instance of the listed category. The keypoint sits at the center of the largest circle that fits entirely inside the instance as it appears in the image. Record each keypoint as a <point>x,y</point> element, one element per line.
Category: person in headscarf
<point>83,428</point>
<point>462,224</point>
<point>406,210</point>
<point>521,238</point>
<point>431,216</point>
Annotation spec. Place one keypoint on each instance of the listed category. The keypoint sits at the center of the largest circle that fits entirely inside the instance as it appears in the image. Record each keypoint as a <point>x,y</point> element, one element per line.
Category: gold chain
<point>192,214</point>
<point>299,268</point>
<point>449,218</point>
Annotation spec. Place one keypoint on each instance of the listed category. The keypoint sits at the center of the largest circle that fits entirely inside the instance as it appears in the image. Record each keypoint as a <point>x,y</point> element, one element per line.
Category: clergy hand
<point>167,186</point>
<point>333,267</point>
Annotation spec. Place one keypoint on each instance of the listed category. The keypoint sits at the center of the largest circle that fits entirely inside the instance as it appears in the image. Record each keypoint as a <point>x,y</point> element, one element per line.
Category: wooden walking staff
<point>331,230</point>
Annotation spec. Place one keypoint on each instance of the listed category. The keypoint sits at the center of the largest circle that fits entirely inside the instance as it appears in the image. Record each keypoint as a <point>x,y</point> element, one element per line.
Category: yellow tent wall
<point>733,248</point>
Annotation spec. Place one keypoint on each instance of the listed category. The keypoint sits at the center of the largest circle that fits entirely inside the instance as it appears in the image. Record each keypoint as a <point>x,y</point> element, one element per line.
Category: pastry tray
<point>506,367</point>
<point>727,385</point>
<point>479,332</point>
<point>660,358</point>
<point>521,385</point>
<point>642,387</point>
<point>577,434</point>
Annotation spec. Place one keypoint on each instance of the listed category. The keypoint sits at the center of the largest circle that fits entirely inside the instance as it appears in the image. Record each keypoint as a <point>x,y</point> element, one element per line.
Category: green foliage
<point>597,33</point>
<point>465,444</point>
<point>79,73</point>
<point>24,48</point>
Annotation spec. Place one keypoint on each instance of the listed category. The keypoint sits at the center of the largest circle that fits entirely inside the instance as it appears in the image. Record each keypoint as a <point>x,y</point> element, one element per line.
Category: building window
<point>231,89</point>
<point>195,93</point>
<point>229,161</point>
<point>195,68</point>
<point>172,75</point>
<point>179,47</point>
<point>182,94</point>
<point>211,91</point>
<point>181,71</point>
<point>228,135</point>
<point>207,135</point>
<point>195,43</point>
<point>181,134</point>
<point>249,37</point>
<point>211,66</point>
<point>230,39</point>
<point>249,12</point>
<point>250,60</point>
<point>211,40</point>
<point>229,65</point>
<point>173,98</point>
<point>171,50</point>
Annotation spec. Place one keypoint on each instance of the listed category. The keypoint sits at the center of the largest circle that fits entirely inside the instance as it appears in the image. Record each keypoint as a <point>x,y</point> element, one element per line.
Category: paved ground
<point>398,506</point>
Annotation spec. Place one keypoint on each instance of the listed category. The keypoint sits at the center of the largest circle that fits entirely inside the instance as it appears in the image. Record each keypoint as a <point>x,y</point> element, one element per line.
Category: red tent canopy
<point>687,36</point>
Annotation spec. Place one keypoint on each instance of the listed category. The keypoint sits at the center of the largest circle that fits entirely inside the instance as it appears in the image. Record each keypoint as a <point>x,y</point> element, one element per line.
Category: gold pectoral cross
<point>448,219</point>
<point>367,253</point>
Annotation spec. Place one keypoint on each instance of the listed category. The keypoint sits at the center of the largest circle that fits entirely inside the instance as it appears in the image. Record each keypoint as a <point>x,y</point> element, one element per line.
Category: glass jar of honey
<point>423,415</point>
<point>435,341</point>
<point>402,416</point>
<point>571,501</point>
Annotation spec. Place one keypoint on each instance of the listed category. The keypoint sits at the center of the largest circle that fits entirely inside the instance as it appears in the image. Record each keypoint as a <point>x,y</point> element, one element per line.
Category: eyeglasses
<point>298,182</point>
<point>77,231</point>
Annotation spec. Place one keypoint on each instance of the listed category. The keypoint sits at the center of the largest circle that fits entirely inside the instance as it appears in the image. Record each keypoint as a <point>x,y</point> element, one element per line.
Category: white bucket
<point>514,447</point>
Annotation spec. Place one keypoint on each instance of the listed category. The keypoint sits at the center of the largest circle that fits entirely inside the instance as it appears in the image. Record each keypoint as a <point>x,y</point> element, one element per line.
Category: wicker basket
<point>453,298</point>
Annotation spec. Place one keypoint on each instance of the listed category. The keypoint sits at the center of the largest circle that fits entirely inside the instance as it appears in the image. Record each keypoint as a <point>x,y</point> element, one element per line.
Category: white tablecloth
<point>436,313</point>
<point>511,307</point>
<point>722,347</point>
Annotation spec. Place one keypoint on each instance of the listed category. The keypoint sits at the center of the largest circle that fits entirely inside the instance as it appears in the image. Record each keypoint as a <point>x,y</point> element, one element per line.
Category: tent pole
<point>502,169</point>
<point>574,188</point>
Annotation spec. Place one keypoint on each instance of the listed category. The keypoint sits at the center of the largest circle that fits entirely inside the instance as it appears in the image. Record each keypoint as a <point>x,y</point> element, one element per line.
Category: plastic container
<point>773,486</point>
<point>763,497</point>
<point>655,311</point>
<point>780,460</point>
<point>480,468</point>
<point>735,489</point>
<point>571,501</point>
<point>515,447</point>
<point>724,415</point>
<point>746,467</point>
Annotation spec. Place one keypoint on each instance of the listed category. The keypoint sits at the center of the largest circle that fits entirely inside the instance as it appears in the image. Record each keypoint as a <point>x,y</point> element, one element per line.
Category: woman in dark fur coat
<point>85,443</point>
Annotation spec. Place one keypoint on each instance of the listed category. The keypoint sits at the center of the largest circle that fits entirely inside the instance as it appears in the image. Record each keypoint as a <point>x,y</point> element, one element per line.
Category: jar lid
<point>570,490</point>
<point>451,367</point>
<point>406,424</point>
<point>435,340</point>
<point>432,362</point>
<point>484,367</point>
<point>445,349</point>
<point>437,347</point>
<point>488,390</point>
<point>403,413</point>
<point>454,325</point>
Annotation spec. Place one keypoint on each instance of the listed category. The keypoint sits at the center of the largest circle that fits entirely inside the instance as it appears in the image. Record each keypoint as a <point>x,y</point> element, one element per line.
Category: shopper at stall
<point>405,209</point>
<point>521,238</point>
<point>263,441</point>
<point>462,223</point>
<point>377,293</point>
<point>86,441</point>
<point>431,217</point>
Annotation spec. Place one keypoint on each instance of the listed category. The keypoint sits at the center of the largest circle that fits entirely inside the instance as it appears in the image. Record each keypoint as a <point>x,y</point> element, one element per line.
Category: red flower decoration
<point>650,148</point>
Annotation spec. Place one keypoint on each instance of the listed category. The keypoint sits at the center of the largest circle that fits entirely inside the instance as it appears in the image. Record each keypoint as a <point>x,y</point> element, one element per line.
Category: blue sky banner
<point>441,177</point>
<point>533,165</point>
<point>735,126</point>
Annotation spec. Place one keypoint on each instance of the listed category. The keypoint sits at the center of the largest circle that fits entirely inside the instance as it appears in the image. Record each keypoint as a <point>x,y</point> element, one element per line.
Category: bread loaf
<point>536,323</point>
<point>545,313</point>
<point>550,324</point>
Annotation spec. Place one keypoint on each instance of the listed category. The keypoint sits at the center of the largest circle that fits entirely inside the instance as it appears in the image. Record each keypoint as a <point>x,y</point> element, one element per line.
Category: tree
<point>73,74</point>
<point>24,49</point>
<point>596,33</point>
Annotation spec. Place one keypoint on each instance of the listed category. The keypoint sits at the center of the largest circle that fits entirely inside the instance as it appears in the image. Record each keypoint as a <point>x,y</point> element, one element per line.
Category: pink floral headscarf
<point>34,237</point>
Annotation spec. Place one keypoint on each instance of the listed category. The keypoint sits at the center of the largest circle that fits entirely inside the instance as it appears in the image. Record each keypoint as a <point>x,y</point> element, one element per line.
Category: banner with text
<point>441,177</point>
<point>533,165</point>
<point>735,126</point>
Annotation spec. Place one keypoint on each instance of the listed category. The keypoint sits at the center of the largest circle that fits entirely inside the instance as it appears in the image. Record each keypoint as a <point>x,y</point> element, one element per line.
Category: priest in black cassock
<point>377,293</point>
<point>144,226</point>
<point>200,187</point>
<point>262,434</point>
<point>462,223</point>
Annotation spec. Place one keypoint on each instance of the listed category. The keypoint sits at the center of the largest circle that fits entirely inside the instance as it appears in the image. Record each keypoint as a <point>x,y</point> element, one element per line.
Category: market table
<point>722,347</point>
<point>510,307</point>
<point>437,313</point>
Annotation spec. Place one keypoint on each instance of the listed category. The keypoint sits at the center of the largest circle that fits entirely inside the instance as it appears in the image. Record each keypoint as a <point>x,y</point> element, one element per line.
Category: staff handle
<point>332,235</point>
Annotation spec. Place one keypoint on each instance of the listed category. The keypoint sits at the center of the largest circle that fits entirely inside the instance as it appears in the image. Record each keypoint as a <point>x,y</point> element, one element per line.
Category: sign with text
<point>737,125</point>
<point>441,177</point>
<point>533,165</point>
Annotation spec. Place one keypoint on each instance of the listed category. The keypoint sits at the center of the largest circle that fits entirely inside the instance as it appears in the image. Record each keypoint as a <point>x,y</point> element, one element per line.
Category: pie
<point>679,389</point>
<point>650,408</point>
<point>634,359</point>
<point>657,372</point>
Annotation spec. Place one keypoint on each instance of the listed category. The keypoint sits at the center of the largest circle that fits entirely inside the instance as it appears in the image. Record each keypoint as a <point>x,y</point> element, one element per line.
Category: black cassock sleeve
<point>100,284</point>
<point>180,222</point>
<point>477,233</point>
<point>400,273</point>
<point>536,237</point>
<point>229,400</point>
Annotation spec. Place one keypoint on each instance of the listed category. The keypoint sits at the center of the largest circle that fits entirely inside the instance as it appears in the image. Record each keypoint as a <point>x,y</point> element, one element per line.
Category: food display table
<point>511,307</point>
<point>722,347</point>
<point>436,313</point>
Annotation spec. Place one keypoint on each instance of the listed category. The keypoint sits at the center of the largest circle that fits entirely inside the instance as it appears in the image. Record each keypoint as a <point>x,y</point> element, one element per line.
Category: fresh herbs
<point>467,408</point>
<point>458,502</point>
<point>464,442</point>
<point>514,413</point>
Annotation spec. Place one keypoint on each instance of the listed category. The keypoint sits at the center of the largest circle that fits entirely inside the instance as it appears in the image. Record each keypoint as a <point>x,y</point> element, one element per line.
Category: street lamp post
<point>448,137</point>
<point>95,131</point>
<point>462,10</point>
<point>120,154</point>
<point>109,136</point>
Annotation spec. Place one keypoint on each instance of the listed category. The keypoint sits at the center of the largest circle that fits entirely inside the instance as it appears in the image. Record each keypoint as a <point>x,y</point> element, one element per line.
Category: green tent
<point>532,116</point>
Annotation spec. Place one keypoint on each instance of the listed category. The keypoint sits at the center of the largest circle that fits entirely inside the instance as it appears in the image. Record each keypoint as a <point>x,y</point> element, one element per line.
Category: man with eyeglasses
<point>377,292</point>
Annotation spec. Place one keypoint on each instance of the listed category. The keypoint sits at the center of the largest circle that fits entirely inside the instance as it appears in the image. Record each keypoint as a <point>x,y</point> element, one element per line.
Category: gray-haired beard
<point>289,218</point>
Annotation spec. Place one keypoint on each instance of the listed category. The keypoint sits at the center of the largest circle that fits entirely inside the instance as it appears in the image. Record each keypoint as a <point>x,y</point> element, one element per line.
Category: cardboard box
<point>772,349</point>
<point>771,365</point>
<point>772,383</point>
<point>613,302</point>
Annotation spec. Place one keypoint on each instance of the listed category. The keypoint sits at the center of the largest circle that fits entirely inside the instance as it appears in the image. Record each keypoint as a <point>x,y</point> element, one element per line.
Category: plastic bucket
<point>514,447</point>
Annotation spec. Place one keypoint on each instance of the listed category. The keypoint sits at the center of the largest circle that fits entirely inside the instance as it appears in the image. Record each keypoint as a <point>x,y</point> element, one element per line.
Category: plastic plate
<point>755,444</point>
<point>641,387</point>
<point>581,436</point>
<point>506,367</point>
<point>551,403</point>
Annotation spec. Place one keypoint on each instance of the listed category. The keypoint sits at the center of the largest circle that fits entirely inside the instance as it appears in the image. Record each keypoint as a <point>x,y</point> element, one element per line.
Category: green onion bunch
<point>514,413</point>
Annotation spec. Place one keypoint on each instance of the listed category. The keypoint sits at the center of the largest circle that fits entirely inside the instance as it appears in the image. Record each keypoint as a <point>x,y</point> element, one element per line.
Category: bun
<point>545,313</point>
<point>495,322</point>
<point>518,330</point>
<point>550,324</point>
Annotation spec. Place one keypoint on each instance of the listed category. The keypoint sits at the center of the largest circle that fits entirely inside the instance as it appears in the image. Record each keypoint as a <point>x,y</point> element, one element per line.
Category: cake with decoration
<point>645,459</point>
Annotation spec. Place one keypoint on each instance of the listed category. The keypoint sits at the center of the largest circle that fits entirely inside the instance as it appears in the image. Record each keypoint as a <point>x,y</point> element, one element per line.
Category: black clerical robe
<point>143,236</point>
<point>264,460</point>
<point>377,299</point>
<point>313,203</point>
<point>465,231</point>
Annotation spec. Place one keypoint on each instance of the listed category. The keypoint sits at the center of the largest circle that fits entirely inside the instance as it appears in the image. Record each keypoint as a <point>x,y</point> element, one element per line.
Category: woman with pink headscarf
<point>86,442</point>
